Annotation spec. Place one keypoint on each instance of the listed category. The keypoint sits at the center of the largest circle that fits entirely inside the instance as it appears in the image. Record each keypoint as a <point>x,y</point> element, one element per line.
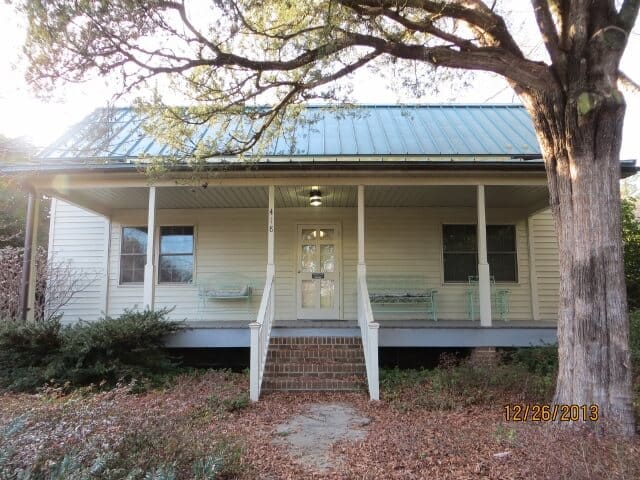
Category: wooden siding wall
<point>77,239</point>
<point>398,241</point>
<point>545,246</point>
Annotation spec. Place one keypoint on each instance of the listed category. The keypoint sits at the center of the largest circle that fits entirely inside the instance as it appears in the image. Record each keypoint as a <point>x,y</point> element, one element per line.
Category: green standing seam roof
<point>437,130</point>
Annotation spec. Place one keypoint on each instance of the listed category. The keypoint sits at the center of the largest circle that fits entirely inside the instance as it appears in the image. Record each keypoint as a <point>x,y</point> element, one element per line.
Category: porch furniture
<point>223,287</point>
<point>398,293</point>
<point>499,299</point>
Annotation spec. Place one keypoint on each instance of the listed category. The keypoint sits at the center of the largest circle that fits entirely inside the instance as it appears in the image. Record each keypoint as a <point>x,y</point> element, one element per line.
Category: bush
<point>58,281</point>
<point>105,351</point>
<point>631,242</point>
<point>634,339</point>
<point>460,383</point>
<point>539,360</point>
<point>29,353</point>
<point>111,349</point>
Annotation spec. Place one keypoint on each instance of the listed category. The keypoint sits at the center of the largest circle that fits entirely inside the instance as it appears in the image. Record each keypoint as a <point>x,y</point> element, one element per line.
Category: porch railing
<point>260,335</point>
<point>369,331</point>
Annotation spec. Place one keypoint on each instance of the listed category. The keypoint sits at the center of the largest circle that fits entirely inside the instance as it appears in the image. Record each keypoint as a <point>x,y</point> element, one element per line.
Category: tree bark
<point>580,138</point>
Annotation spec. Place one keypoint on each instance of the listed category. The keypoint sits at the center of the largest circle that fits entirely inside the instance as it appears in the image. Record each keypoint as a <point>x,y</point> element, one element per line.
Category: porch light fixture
<point>315,197</point>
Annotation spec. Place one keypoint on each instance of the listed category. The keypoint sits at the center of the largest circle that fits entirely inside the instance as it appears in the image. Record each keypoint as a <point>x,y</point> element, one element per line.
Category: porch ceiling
<point>185,197</point>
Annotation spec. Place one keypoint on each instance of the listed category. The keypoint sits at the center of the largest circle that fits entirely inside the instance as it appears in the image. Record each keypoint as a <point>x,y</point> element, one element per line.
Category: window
<point>460,252</point>
<point>176,255</point>
<point>501,252</point>
<point>133,253</point>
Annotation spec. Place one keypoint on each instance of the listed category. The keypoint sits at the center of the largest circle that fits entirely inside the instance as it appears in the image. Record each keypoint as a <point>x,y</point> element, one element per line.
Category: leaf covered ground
<point>205,417</point>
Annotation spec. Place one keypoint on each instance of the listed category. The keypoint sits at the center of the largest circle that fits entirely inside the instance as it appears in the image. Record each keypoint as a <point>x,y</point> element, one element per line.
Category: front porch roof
<point>529,198</point>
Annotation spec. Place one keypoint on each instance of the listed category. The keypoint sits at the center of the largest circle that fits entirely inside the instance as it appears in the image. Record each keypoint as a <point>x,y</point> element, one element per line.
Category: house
<point>379,226</point>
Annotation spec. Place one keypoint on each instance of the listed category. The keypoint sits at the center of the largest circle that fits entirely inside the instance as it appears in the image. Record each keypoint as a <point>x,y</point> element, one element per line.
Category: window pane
<point>459,238</point>
<point>503,266</point>
<point>134,239</point>
<point>327,292</point>
<point>308,234</point>
<point>176,268</point>
<point>326,234</point>
<point>308,294</point>
<point>327,258</point>
<point>176,240</point>
<point>501,238</point>
<point>132,268</point>
<point>459,266</point>
<point>309,258</point>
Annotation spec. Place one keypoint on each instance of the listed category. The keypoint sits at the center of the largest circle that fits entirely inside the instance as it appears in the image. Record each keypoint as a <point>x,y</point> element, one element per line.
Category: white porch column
<point>31,293</point>
<point>484,284</point>
<point>533,277</point>
<point>361,225</point>
<point>272,228</point>
<point>149,268</point>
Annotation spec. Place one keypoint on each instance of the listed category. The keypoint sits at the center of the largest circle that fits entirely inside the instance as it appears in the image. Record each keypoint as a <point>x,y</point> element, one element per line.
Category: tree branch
<point>628,83</point>
<point>628,14</point>
<point>549,34</point>
<point>473,12</point>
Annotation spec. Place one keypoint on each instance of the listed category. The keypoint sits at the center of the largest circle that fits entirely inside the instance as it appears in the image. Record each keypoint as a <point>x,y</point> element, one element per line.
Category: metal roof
<point>117,136</point>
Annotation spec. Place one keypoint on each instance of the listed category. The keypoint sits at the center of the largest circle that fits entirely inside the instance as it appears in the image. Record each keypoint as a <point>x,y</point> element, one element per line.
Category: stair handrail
<point>369,330</point>
<point>261,334</point>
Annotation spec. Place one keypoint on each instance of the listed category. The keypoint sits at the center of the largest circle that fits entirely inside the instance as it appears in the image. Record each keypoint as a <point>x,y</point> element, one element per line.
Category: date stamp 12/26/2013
<point>517,412</point>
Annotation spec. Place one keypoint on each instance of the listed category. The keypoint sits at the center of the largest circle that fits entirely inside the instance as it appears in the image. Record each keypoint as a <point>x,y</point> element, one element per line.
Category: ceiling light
<point>315,197</point>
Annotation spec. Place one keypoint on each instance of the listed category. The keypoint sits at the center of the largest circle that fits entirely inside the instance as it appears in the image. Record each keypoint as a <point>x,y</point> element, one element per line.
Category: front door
<point>318,278</point>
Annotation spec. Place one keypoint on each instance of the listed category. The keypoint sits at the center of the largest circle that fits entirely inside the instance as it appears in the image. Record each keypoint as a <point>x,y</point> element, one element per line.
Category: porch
<point>261,235</point>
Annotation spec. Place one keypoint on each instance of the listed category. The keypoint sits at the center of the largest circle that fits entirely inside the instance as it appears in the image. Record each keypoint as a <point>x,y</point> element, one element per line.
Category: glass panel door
<point>318,272</point>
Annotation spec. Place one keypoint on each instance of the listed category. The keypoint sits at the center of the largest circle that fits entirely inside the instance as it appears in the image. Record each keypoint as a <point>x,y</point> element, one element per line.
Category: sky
<point>23,114</point>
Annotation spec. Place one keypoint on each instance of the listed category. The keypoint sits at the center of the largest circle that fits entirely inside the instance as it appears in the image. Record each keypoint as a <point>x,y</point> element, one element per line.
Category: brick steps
<point>314,364</point>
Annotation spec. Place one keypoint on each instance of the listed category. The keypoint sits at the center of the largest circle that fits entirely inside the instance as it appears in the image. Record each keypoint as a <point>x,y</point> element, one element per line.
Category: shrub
<point>112,349</point>
<point>539,360</point>
<point>59,281</point>
<point>29,353</point>
<point>634,338</point>
<point>631,242</point>
<point>456,384</point>
<point>108,350</point>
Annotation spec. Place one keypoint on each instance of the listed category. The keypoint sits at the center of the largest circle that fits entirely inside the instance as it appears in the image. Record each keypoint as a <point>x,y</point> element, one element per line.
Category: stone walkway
<point>309,436</point>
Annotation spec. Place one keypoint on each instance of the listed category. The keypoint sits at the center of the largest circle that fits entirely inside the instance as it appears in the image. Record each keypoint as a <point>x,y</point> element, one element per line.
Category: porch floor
<point>393,333</point>
<point>398,323</point>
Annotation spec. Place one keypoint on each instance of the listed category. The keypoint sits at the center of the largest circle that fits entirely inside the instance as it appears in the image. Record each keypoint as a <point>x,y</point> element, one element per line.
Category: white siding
<point>397,240</point>
<point>77,239</point>
<point>409,240</point>
<point>227,240</point>
<point>545,245</point>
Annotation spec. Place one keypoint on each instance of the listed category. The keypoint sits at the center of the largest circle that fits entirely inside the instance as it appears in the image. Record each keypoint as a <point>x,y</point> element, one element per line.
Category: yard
<point>444,423</point>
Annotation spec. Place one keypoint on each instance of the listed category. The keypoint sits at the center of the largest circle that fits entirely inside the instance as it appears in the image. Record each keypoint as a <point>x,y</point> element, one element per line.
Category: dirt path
<point>309,436</point>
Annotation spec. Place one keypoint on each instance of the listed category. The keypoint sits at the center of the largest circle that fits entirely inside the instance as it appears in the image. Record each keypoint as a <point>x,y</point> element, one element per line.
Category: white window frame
<point>461,282</point>
<point>122,227</point>
<point>157,255</point>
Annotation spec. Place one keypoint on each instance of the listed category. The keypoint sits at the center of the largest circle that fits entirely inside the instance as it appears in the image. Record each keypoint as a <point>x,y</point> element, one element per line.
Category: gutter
<point>528,164</point>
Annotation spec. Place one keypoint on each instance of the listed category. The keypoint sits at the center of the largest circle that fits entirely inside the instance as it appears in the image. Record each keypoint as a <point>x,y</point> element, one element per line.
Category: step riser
<point>314,375</point>
<point>353,357</point>
<point>314,364</point>
<point>312,385</point>
<point>314,369</point>
<point>315,341</point>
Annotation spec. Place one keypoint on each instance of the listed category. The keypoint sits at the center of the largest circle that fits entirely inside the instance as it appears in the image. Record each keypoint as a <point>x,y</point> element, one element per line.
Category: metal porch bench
<point>398,293</point>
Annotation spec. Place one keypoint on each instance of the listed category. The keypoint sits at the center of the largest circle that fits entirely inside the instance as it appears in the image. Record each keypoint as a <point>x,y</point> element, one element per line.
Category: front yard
<point>428,425</point>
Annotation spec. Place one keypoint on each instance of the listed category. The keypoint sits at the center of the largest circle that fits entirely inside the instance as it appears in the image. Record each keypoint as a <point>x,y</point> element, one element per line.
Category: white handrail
<point>260,335</point>
<point>369,331</point>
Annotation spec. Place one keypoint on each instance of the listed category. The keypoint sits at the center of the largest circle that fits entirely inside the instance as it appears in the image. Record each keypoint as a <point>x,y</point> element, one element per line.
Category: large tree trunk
<point>580,138</point>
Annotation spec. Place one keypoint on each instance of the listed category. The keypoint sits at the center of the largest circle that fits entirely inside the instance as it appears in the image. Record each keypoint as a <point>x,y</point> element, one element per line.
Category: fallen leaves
<point>466,443</point>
